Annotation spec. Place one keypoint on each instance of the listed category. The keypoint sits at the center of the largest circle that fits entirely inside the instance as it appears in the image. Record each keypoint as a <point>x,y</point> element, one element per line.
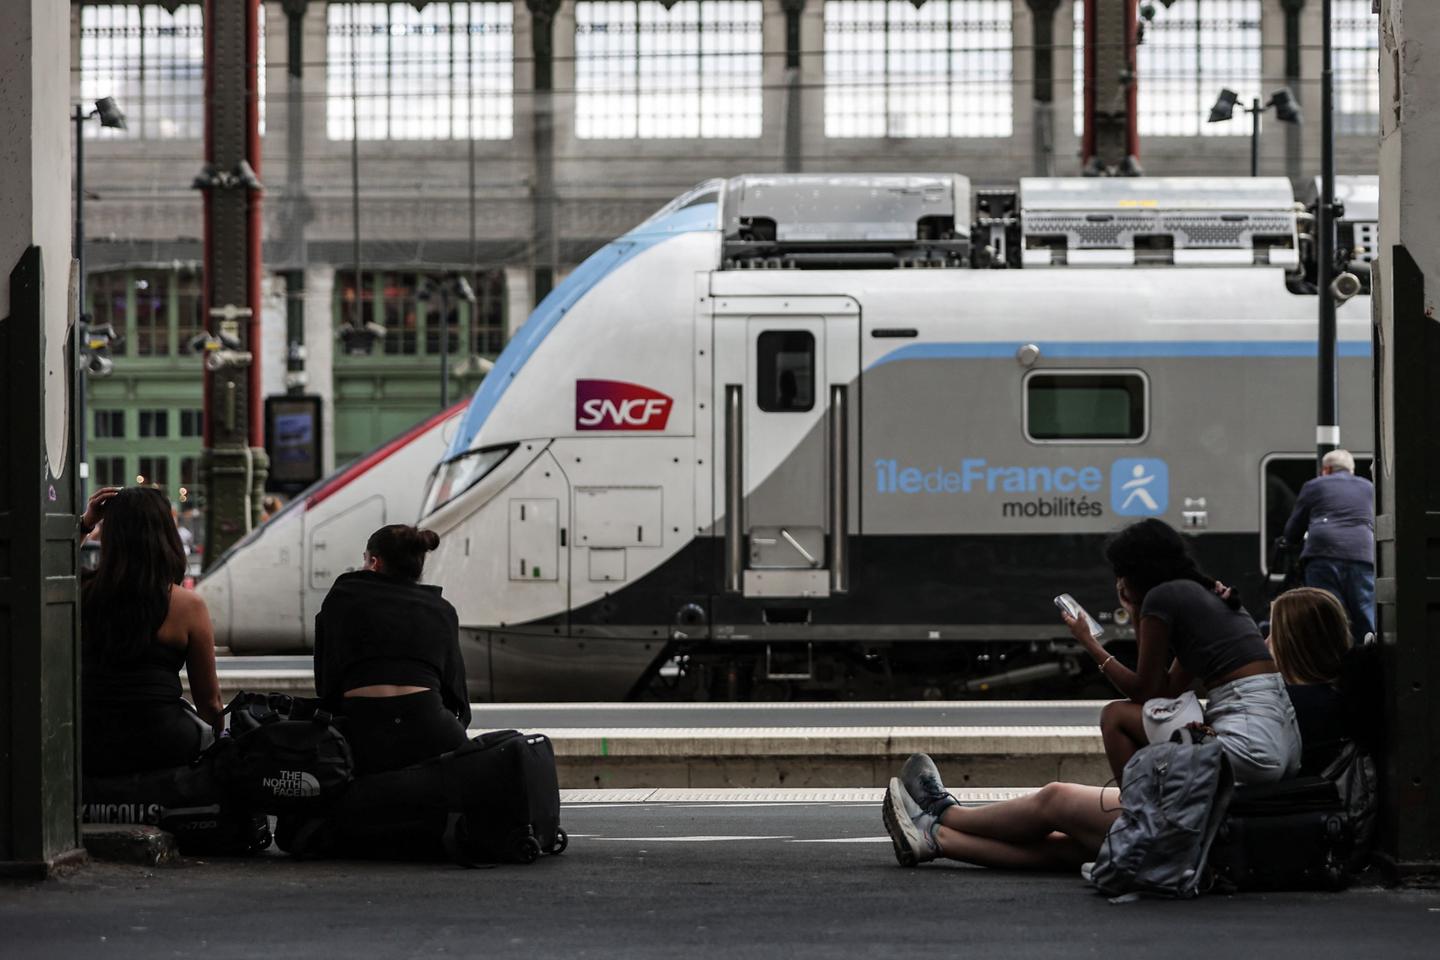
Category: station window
<point>785,366</point>
<point>189,492</point>
<point>1193,49</point>
<point>154,423</point>
<point>189,307</point>
<point>407,303</point>
<point>110,472</point>
<point>109,424</point>
<point>1356,38</point>
<point>657,70</point>
<point>152,61</point>
<point>1282,476</point>
<point>192,423</point>
<point>152,312</point>
<point>897,69</point>
<point>442,72</point>
<point>153,472</point>
<point>1085,406</point>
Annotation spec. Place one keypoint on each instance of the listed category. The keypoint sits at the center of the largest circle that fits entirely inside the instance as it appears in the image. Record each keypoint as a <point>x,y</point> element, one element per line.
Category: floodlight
<point>1286,109</point>
<point>109,112</point>
<point>1224,107</point>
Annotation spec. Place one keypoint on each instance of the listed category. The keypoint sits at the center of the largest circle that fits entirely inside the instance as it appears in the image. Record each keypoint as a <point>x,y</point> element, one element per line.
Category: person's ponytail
<point>401,549</point>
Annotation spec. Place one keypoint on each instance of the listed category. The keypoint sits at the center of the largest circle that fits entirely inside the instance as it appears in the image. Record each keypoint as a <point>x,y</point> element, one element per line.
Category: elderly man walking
<point>1335,514</point>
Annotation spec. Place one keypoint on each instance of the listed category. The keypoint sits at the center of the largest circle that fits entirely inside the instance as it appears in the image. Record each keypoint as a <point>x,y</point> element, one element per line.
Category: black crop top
<point>376,629</point>
<point>1208,638</point>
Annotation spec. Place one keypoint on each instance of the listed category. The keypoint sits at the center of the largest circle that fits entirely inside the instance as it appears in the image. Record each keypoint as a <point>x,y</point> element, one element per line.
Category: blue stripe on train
<point>1121,349</point>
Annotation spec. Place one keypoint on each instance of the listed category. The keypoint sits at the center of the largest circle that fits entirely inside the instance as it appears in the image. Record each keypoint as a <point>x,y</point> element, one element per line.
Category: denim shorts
<point>1254,722</point>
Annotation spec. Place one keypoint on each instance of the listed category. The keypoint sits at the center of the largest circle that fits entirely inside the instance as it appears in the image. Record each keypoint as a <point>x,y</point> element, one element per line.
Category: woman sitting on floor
<point>138,627</point>
<point>387,656</point>
<point>1310,637</point>
<point>1188,626</point>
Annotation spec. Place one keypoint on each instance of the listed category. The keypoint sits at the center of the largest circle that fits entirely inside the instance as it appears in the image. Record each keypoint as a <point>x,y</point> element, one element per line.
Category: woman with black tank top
<point>387,656</point>
<point>138,628</point>
<point>1191,628</point>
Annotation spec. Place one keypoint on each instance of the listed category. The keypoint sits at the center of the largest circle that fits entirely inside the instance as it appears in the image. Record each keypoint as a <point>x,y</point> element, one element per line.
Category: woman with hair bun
<point>387,656</point>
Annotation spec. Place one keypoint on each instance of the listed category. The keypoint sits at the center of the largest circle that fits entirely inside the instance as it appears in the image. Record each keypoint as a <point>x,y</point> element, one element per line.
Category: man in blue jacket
<point>1335,514</point>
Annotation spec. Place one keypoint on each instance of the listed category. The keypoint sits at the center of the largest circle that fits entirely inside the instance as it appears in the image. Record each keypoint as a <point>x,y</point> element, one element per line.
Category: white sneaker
<point>911,830</point>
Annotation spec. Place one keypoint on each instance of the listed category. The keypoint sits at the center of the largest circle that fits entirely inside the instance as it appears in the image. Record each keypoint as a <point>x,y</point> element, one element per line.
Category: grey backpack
<point>1174,799</point>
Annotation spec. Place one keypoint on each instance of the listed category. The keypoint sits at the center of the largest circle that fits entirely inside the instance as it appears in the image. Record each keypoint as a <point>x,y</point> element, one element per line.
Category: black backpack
<point>284,754</point>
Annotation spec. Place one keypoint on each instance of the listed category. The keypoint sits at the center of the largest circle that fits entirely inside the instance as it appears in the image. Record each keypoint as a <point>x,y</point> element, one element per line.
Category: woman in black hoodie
<point>387,656</point>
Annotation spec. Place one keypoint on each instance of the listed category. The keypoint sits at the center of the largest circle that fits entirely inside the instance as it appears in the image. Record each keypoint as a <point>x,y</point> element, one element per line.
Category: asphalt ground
<point>667,880</point>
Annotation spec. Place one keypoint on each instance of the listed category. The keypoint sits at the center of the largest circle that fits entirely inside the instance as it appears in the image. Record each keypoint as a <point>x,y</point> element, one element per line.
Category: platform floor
<point>663,880</point>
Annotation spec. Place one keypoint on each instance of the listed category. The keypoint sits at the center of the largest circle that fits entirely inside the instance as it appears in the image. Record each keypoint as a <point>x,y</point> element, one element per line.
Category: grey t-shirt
<point>1206,636</point>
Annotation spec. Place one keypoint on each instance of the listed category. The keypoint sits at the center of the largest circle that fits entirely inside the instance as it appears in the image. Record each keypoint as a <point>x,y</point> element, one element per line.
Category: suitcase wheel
<point>527,850</point>
<point>562,840</point>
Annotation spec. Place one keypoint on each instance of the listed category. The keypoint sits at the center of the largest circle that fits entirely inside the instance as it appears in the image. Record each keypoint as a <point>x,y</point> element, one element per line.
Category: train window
<point>785,364</point>
<point>1282,476</point>
<point>1085,406</point>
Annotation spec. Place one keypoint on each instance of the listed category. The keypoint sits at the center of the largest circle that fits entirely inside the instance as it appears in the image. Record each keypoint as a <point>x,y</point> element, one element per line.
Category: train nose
<point>214,589</point>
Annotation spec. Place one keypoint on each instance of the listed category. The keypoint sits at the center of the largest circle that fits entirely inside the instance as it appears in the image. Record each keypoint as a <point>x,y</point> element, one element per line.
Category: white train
<point>814,435</point>
<point>263,593</point>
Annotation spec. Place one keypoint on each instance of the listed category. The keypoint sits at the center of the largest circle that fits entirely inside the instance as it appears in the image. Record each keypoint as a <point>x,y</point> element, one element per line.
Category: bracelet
<point>1106,662</point>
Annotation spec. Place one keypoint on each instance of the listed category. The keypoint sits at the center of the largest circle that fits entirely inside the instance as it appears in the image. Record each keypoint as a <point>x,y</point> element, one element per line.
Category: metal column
<point>235,464</point>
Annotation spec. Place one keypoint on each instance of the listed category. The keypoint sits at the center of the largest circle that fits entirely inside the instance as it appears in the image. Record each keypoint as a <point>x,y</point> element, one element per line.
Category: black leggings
<point>116,741</point>
<point>387,733</point>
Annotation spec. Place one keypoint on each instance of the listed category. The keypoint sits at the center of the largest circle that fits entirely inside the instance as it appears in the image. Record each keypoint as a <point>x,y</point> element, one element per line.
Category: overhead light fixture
<point>1224,107</point>
<point>1287,110</point>
<point>109,113</point>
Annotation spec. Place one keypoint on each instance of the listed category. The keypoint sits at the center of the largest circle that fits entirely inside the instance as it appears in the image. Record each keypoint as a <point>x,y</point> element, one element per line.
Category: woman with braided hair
<point>1189,628</point>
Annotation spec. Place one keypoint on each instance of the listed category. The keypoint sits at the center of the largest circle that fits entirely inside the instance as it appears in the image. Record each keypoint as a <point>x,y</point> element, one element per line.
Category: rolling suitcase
<point>1290,835</point>
<point>496,799</point>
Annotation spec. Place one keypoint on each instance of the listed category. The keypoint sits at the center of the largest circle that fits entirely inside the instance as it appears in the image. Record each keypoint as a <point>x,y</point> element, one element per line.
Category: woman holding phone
<point>1190,627</point>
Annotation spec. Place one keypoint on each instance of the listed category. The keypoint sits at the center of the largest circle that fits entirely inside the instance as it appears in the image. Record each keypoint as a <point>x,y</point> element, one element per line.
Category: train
<point>833,436</point>
<point>263,592</point>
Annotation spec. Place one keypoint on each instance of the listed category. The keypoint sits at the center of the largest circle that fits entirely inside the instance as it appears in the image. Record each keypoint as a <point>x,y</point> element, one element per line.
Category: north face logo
<point>292,783</point>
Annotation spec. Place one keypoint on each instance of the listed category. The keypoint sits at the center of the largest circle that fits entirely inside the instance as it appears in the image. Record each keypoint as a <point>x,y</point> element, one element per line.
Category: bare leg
<point>1057,851</point>
<point>1122,727</point>
<point>1080,812</point>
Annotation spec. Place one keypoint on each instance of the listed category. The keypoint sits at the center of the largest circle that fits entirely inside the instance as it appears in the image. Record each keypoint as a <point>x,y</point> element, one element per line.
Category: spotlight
<point>1224,107</point>
<point>109,113</point>
<point>1286,109</point>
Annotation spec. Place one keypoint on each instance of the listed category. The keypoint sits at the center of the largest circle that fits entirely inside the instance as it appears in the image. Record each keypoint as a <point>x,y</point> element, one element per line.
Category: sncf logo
<point>613,405</point>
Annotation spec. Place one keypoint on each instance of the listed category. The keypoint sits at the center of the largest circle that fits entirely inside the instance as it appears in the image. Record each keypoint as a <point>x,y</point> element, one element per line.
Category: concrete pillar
<point>39,602</point>
<point>1407,531</point>
<point>519,298</point>
<point>320,351</point>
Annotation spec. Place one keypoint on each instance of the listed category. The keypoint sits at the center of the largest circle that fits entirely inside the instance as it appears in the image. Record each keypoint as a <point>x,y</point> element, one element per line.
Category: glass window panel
<point>152,312</point>
<point>785,370</point>
<point>443,72</point>
<point>110,424</point>
<point>192,423</point>
<point>1355,52</point>
<point>1085,406</point>
<point>942,70</point>
<point>488,327</point>
<point>692,70</point>
<point>154,423</point>
<point>189,306</point>
<point>110,472</point>
<point>152,62</point>
<point>154,472</point>
<point>1192,51</point>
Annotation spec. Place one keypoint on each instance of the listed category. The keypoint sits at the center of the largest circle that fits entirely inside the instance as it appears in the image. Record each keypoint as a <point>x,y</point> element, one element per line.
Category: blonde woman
<point>1310,638</point>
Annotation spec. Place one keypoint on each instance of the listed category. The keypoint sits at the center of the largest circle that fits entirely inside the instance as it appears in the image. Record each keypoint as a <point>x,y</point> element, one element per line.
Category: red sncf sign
<point>615,405</point>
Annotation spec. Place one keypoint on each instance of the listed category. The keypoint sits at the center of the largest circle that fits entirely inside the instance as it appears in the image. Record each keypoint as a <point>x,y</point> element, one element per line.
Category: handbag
<point>1167,717</point>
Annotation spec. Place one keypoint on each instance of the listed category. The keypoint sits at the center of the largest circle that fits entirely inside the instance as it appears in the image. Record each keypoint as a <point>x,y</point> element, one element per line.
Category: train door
<point>785,374</point>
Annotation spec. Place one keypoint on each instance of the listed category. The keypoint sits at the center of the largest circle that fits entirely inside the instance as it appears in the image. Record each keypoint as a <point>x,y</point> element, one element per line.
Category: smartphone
<point>1067,603</point>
